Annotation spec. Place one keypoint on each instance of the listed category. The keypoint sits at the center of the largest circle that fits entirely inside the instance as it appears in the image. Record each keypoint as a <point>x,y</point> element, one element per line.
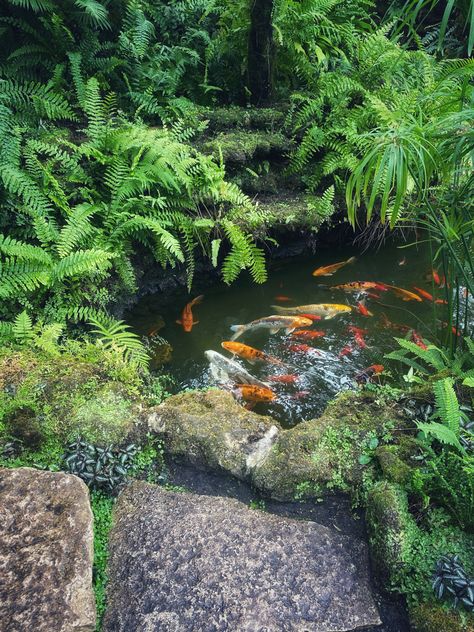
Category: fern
<point>440,433</point>
<point>447,405</point>
<point>22,328</point>
<point>117,335</point>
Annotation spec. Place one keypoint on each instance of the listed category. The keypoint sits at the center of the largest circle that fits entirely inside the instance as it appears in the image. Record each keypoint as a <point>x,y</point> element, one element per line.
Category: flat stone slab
<point>46,552</point>
<point>180,562</point>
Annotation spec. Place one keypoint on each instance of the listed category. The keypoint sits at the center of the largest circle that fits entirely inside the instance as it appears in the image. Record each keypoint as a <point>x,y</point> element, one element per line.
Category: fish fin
<point>251,361</point>
<point>289,330</point>
<point>179,322</point>
<point>279,310</point>
<point>274,330</point>
<point>352,260</point>
<point>238,331</point>
<point>195,322</point>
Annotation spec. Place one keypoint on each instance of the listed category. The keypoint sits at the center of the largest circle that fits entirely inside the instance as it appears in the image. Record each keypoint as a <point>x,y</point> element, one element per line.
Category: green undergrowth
<point>102,507</point>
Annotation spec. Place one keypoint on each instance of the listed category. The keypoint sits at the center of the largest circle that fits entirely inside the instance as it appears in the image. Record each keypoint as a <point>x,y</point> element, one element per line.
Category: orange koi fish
<point>356,286</point>
<point>283,379</point>
<point>363,309</point>
<point>348,349</point>
<point>360,341</point>
<point>280,298</point>
<point>376,297</point>
<point>418,340</point>
<point>366,375</point>
<point>330,270</point>
<point>307,334</point>
<point>254,394</point>
<point>423,293</point>
<point>357,330</point>
<point>441,301</point>
<point>187,320</point>
<point>312,317</point>
<point>435,277</point>
<point>405,295</point>
<point>303,349</point>
<point>248,353</point>
<point>453,329</point>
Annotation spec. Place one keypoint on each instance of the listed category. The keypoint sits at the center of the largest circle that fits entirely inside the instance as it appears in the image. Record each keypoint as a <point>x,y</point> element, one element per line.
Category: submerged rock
<point>46,545</point>
<point>210,428</point>
<point>199,563</point>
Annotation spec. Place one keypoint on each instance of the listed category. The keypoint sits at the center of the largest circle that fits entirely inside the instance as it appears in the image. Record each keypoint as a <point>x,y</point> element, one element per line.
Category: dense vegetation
<point>109,162</point>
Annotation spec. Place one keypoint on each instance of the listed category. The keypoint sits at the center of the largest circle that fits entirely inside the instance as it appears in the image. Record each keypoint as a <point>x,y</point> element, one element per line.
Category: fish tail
<point>196,300</point>
<point>352,260</point>
<point>238,331</point>
<point>280,310</point>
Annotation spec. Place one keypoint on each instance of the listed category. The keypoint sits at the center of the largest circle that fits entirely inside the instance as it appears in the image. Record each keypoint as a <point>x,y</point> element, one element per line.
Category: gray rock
<point>46,553</point>
<point>185,563</point>
<point>210,428</point>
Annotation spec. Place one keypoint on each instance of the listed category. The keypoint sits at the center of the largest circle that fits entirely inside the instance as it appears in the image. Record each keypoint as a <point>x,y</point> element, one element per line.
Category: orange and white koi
<point>254,394</point>
<point>363,309</point>
<point>359,338</point>
<point>248,353</point>
<point>187,321</point>
<point>330,270</point>
<point>308,334</point>
<point>357,286</point>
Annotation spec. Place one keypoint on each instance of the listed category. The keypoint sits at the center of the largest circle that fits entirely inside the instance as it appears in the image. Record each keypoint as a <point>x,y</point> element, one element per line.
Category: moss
<point>324,453</point>
<point>404,552</point>
<point>241,146</point>
<point>394,469</point>
<point>239,117</point>
<point>102,507</point>
<point>432,617</point>
<point>47,399</point>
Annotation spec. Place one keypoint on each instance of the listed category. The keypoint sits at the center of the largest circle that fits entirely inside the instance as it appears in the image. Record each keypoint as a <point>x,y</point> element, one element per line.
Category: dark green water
<point>321,373</point>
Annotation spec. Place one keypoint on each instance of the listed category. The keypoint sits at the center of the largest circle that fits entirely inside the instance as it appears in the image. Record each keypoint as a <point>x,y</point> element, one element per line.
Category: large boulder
<point>323,454</point>
<point>188,562</point>
<point>46,552</point>
<point>210,428</point>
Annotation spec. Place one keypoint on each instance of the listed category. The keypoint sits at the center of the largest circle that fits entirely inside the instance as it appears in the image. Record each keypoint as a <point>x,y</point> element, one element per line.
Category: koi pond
<point>306,369</point>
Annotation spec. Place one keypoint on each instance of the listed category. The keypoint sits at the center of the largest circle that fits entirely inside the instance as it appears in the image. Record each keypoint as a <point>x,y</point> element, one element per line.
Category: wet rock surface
<point>212,429</point>
<point>46,553</point>
<point>210,563</point>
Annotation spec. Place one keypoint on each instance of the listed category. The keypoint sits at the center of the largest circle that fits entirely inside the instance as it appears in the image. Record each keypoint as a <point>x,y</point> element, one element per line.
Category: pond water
<point>321,370</point>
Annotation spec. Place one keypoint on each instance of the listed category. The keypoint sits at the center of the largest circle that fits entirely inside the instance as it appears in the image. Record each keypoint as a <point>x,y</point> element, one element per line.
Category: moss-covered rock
<point>241,146</point>
<point>210,428</point>
<point>404,550</point>
<point>63,397</point>
<point>394,469</point>
<point>323,454</point>
<point>432,617</point>
<point>390,531</point>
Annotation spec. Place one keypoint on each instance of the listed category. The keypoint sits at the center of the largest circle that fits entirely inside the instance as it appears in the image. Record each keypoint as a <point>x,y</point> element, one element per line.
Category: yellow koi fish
<point>330,270</point>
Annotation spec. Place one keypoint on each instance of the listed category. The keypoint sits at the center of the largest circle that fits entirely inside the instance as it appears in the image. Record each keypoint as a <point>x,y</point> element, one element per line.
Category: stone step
<point>186,562</point>
<point>46,553</point>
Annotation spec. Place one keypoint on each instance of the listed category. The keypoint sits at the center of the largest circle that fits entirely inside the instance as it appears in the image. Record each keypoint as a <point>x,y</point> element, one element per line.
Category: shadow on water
<point>322,371</point>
